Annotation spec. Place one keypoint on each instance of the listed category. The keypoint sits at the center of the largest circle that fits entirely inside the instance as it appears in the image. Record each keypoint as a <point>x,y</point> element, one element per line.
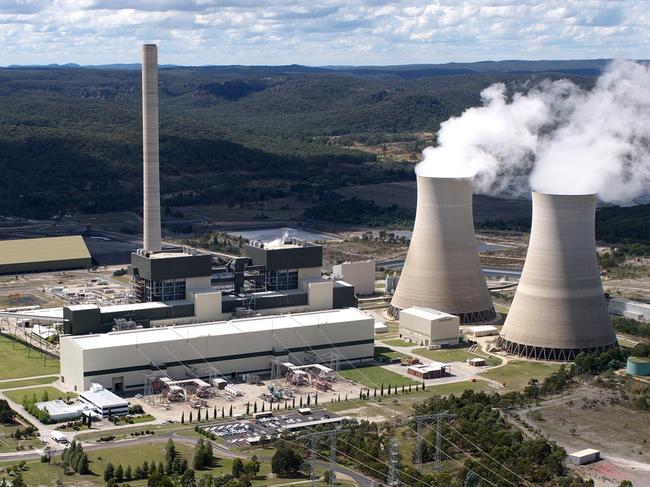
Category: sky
<point>321,32</point>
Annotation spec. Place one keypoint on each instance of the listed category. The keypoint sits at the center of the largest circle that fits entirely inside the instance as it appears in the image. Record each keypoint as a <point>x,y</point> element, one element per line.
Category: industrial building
<point>185,287</point>
<point>43,255</point>
<point>104,402</point>
<point>481,331</point>
<point>629,309</point>
<point>120,361</point>
<point>442,269</point>
<point>559,308</point>
<point>361,275</point>
<point>432,370</point>
<point>427,327</point>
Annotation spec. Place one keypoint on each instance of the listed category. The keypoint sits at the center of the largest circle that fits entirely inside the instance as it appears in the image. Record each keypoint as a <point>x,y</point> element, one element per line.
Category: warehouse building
<point>630,309</point>
<point>427,327</point>
<point>481,331</point>
<point>121,360</point>
<point>584,457</point>
<point>360,274</point>
<point>43,255</point>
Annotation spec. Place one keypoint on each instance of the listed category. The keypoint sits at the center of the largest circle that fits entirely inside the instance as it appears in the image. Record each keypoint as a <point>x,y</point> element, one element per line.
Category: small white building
<point>583,457</point>
<point>61,411</point>
<point>427,327</point>
<point>361,275</point>
<point>380,327</point>
<point>481,330</point>
<point>104,402</point>
<point>630,309</point>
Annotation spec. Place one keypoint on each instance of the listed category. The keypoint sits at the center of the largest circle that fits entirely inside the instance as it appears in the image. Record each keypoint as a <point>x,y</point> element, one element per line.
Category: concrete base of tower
<point>546,353</point>
<point>470,318</point>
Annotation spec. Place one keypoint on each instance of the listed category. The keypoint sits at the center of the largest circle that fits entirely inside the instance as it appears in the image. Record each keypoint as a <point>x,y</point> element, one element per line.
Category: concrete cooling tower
<point>442,268</point>
<point>559,309</point>
<point>150,163</point>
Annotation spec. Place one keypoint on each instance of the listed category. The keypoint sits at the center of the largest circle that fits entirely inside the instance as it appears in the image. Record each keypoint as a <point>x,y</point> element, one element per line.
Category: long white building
<point>120,360</point>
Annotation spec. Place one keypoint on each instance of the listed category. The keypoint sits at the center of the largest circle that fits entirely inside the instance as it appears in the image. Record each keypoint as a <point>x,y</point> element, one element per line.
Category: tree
<point>45,397</point>
<point>82,465</point>
<point>625,483</point>
<point>237,467</point>
<point>188,479</point>
<point>183,418</point>
<point>109,472</point>
<point>285,462</point>
<point>252,467</point>
<point>170,452</point>
<point>202,455</point>
<point>230,412</point>
<point>128,473</point>
<point>119,473</point>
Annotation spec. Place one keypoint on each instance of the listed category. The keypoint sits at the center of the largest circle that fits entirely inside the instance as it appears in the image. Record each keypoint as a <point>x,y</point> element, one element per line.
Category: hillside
<point>70,137</point>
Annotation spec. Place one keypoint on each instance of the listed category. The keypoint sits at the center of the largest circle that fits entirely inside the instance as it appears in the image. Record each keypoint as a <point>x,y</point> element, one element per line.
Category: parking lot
<point>261,428</point>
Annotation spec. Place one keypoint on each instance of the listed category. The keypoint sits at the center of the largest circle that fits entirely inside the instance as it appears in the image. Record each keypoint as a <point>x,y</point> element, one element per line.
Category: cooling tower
<point>559,308</point>
<point>442,268</point>
<point>150,162</point>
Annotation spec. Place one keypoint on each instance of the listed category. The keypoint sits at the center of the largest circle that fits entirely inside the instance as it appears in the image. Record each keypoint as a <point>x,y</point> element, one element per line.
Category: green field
<point>516,373</point>
<point>52,392</point>
<point>19,361</point>
<point>397,342</point>
<point>11,384</point>
<point>455,355</point>
<point>458,387</point>
<point>374,376</point>
<point>385,354</point>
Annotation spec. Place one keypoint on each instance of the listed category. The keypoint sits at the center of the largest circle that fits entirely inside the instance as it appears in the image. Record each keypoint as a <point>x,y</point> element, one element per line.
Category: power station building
<point>442,270</point>
<point>427,327</point>
<point>361,275</point>
<point>559,308</point>
<point>119,361</point>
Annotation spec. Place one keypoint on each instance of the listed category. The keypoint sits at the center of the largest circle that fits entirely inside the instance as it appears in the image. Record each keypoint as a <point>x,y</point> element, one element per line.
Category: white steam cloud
<point>567,139</point>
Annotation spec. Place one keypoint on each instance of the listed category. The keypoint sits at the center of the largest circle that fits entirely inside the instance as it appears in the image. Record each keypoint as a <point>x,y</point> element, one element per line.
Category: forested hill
<point>70,137</point>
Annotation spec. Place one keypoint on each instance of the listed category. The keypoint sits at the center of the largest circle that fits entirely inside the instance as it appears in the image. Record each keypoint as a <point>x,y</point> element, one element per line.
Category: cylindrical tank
<point>638,366</point>
<point>442,270</point>
<point>150,162</point>
<point>559,308</point>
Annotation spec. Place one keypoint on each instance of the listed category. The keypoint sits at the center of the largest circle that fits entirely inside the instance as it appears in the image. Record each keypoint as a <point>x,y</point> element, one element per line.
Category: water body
<point>482,246</point>
<point>270,234</point>
<point>490,272</point>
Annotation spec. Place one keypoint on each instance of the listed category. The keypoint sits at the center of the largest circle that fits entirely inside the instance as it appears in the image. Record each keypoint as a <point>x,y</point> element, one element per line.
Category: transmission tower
<point>314,437</point>
<point>421,421</point>
<point>393,461</point>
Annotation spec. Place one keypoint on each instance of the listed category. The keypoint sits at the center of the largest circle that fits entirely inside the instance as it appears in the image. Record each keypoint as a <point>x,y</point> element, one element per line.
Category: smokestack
<point>442,268</point>
<point>559,308</point>
<point>151,178</point>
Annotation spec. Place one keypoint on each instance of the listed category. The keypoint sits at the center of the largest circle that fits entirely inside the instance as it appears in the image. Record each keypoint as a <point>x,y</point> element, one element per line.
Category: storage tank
<point>559,308</point>
<point>638,366</point>
<point>442,270</point>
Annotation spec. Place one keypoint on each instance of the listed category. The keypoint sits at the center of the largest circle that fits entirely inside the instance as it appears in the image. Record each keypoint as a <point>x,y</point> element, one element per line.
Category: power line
<point>314,437</point>
<point>420,421</point>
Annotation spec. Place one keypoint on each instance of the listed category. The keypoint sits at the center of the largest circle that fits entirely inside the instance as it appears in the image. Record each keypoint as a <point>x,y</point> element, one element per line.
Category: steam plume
<point>567,139</point>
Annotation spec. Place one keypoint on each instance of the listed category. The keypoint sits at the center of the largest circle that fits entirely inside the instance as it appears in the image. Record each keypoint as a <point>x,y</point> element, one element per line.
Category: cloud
<point>320,31</point>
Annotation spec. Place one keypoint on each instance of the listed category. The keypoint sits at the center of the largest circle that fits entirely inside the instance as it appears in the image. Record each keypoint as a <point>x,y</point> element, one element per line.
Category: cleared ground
<point>19,361</point>
<point>9,444</point>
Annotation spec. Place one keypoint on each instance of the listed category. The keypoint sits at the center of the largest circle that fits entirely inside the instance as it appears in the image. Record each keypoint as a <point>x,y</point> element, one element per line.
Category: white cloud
<point>320,31</point>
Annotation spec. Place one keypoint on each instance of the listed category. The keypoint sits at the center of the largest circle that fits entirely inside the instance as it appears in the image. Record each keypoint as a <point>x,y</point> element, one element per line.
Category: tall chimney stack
<point>150,166</point>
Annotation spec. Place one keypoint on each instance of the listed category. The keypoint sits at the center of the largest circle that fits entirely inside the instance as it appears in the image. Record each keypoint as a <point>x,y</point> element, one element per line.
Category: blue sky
<point>320,32</point>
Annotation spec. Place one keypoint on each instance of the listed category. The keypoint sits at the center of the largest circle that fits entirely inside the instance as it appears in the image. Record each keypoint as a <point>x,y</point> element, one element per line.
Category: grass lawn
<point>10,384</point>
<point>374,376</point>
<point>517,373</point>
<point>397,342</point>
<point>455,355</point>
<point>9,444</point>
<point>19,361</point>
<point>385,354</point>
<point>52,393</point>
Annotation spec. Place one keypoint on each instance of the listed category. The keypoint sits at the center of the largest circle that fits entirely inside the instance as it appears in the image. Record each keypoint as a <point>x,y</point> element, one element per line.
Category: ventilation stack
<point>559,309</point>
<point>151,177</point>
<point>442,270</point>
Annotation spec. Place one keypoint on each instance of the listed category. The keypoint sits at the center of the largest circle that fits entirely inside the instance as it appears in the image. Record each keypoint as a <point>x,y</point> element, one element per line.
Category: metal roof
<point>216,328</point>
<point>43,249</point>
<point>427,313</point>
